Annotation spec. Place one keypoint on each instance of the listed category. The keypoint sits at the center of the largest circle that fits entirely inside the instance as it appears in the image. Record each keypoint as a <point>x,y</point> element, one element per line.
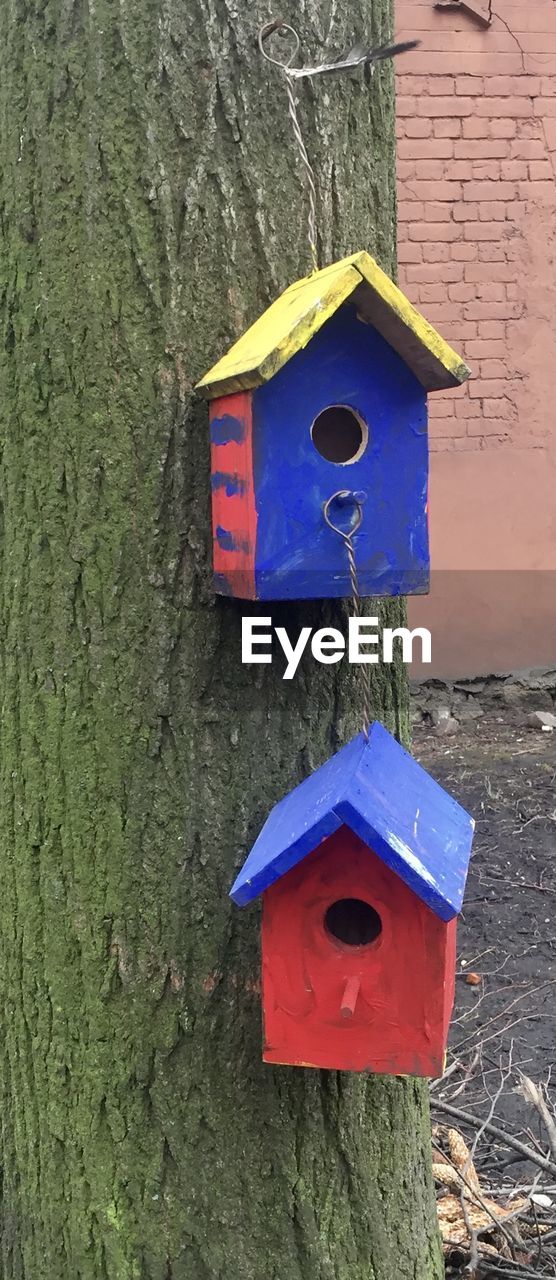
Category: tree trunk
<point>151,206</point>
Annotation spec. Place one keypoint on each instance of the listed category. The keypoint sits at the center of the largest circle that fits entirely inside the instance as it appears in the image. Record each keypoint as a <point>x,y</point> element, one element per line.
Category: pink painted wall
<point>477,253</point>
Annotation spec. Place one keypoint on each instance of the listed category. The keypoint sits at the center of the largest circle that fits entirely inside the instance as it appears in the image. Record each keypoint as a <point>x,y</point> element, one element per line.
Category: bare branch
<point>534,1095</point>
<point>528,1153</point>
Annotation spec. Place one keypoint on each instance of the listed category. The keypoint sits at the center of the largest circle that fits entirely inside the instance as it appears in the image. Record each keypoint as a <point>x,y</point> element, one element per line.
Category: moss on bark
<point>150,206</point>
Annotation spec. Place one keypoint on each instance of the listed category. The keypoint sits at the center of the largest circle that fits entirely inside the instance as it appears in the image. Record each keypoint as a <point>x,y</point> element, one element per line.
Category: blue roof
<point>378,790</point>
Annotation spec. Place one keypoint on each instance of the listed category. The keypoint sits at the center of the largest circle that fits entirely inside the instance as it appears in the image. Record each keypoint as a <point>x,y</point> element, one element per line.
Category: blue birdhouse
<point>322,406</point>
<point>362,871</point>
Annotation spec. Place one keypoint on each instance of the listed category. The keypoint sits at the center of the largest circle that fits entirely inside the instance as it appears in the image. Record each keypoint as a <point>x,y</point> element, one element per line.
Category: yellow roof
<point>295,317</point>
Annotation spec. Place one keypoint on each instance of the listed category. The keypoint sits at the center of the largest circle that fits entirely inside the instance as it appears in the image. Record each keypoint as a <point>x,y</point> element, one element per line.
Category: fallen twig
<point>534,1095</point>
<point>505,1271</point>
<point>474,1257</point>
<point>530,991</point>
<point>454,1066</point>
<point>468,1074</point>
<point>528,1153</point>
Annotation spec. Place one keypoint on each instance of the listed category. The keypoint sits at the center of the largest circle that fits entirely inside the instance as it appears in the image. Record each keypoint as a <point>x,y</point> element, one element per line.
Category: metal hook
<point>343,496</point>
<point>284,29</point>
<point>358,56</point>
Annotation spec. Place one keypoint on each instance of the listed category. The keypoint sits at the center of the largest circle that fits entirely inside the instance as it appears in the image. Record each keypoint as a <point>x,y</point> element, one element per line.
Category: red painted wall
<point>233,500</point>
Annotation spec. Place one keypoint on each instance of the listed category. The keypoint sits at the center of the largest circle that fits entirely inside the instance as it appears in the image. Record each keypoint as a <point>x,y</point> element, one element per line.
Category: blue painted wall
<point>297,556</point>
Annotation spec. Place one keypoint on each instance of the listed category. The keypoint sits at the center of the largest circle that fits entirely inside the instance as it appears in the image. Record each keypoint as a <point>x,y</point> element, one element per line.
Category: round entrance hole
<point>339,434</point>
<point>353,922</point>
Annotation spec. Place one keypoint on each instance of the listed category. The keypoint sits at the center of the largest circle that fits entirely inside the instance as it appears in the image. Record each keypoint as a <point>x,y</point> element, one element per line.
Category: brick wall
<point>476,151</point>
<point>477,253</point>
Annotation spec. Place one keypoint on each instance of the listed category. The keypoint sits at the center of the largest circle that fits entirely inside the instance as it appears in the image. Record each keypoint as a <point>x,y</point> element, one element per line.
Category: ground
<point>504,772</point>
<point>506,777</point>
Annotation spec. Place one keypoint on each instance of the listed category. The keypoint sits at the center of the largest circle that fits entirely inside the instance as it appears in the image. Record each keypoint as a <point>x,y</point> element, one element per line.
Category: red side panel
<point>383,1006</point>
<point>450,984</point>
<point>234,516</point>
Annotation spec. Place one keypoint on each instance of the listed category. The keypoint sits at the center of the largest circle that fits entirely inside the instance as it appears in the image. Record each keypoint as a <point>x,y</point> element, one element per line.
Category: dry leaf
<point>458,1173</point>
<point>461,1158</point>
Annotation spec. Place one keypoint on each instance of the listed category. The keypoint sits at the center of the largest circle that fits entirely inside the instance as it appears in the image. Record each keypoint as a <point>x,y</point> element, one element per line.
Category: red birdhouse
<point>362,870</point>
<point>351,959</point>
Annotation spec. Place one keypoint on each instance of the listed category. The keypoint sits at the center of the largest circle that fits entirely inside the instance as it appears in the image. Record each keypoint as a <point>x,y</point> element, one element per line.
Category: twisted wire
<point>358,56</point>
<point>287,70</point>
<point>309,173</point>
<point>366,707</point>
<point>347,539</point>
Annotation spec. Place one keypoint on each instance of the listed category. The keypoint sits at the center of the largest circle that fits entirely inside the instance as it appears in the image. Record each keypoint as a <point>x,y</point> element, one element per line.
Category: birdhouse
<point>325,393</point>
<point>362,870</point>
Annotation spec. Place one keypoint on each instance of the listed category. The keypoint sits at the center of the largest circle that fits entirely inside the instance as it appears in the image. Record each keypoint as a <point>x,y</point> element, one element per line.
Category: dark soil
<point>505,775</point>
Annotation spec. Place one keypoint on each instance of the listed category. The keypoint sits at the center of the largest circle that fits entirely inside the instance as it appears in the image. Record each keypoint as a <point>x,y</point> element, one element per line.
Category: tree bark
<point>151,206</point>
